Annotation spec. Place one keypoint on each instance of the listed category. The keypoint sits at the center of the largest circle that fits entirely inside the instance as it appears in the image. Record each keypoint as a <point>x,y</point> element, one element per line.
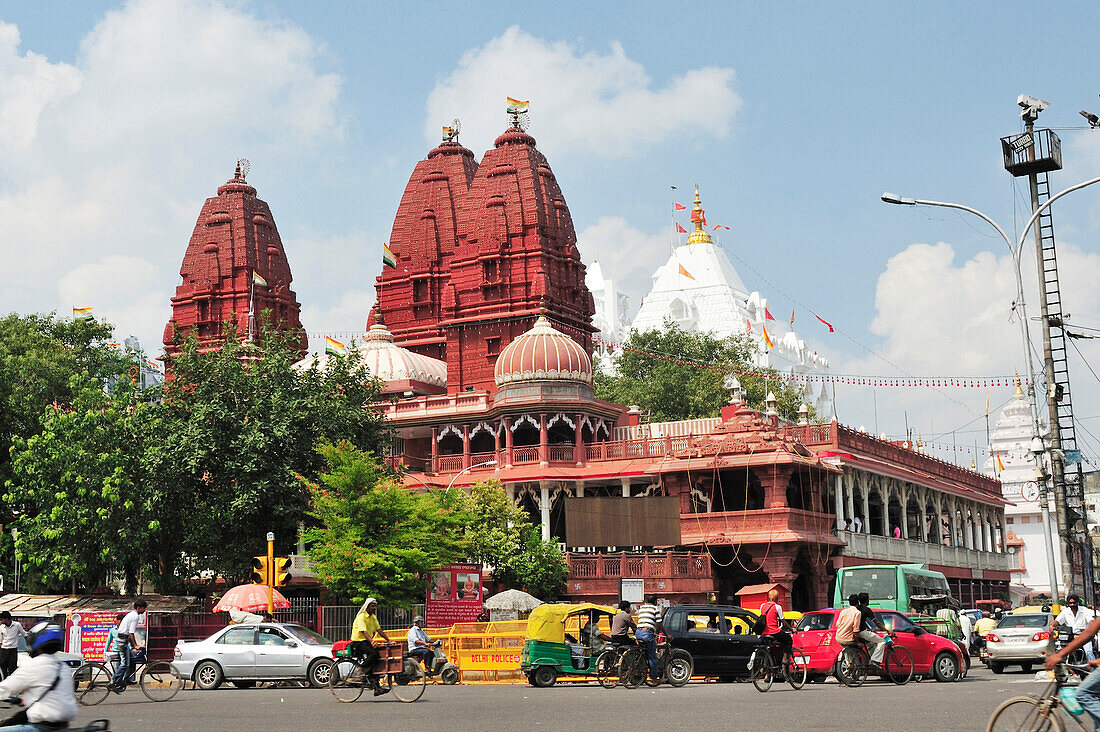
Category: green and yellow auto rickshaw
<point>561,641</point>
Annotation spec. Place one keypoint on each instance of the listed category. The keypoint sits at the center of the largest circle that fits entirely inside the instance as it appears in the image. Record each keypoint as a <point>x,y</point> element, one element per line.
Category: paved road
<point>964,705</point>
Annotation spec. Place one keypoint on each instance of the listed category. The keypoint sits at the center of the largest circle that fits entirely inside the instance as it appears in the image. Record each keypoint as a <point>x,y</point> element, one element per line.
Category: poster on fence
<point>87,633</point>
<point>454,595</point>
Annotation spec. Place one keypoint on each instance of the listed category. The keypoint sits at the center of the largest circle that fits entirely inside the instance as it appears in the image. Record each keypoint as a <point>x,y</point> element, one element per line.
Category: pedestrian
<point>128,644</point>
<point>649,622</point>
<point>966,624</point>
<point>10,630</point>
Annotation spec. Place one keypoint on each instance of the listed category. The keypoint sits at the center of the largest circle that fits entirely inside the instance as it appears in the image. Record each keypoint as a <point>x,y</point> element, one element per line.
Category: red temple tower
<point>514,251</point>
<point>235,269</point>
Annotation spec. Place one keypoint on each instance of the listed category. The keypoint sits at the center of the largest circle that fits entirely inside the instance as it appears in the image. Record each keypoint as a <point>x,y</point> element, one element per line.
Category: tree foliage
<point>688,382</point>
<point>376,538</point>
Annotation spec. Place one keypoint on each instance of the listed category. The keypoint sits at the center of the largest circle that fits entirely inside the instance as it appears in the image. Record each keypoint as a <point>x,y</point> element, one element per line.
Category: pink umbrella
<point>250,598</point>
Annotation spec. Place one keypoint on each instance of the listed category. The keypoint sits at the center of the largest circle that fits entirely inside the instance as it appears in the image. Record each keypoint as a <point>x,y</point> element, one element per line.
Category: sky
<point>118,119</point>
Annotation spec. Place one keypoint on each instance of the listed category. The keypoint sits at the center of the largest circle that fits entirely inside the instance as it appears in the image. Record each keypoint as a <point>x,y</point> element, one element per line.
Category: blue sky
<point>793,118</point>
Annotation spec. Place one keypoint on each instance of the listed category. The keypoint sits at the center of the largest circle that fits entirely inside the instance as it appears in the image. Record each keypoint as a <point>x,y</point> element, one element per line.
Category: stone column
<point>496,444</point>
<point>508,442</point>
<point>849,482</point>
<point>841,501</point>
<point>544,442</point>
<point>625,482</point>
<point>435,449</point>
<point>465,446</point>
<point>544,504</point>
<point>578,489</point>
<point>578,444</point>
<point>904,500</point>
<point>779,566</point>
<point>866,507</point>
<point>774,481</point>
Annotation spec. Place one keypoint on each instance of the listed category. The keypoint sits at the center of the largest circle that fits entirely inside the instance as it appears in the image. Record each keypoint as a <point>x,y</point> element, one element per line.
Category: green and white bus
<point>889,585</point>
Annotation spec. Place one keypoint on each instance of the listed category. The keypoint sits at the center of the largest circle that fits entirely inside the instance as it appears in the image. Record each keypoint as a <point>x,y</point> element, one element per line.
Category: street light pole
<point>1016,251</point>
<point>485,464</point>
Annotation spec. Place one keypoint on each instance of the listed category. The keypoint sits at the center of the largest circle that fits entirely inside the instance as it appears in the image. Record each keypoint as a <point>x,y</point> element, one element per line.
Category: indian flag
<point>447,132</point>
<point>515,106</point>
<point>258,280</point>
<point>767,338</point>
<point>153,365</point>
<point>388,257</point>
<point>82,313</point>
<point>334,346</point>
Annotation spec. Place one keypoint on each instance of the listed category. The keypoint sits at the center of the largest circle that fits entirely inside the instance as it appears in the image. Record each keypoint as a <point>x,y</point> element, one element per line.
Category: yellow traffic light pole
<point>271,574</point>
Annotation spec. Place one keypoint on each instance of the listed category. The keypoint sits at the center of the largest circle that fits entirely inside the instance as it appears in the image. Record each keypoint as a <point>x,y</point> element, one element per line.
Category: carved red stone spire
<point>423,239</point>
<point>234,237</point>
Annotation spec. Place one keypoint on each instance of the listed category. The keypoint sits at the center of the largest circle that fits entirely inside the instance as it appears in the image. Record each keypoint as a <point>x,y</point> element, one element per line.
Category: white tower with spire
<point>610,318</point>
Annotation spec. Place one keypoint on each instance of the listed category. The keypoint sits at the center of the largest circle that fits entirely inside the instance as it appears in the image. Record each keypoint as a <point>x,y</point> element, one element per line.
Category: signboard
<point>454,595</point>
<point>489,659</point>
<point>87,633</point>
<point>632,590</point>
<point>615,521</point>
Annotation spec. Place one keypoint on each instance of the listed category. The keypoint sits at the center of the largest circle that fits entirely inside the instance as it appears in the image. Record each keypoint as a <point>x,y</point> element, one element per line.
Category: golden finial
<point>973,463</point>
<point>699,235</point>
<point>1019,391</point>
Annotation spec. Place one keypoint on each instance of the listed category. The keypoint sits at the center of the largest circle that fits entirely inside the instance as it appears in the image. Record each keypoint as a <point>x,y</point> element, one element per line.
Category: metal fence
<point>335,621</point>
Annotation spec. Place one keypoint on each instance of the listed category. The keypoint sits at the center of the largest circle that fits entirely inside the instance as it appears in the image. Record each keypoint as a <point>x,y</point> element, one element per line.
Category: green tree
<point>376,538</point>
<point>502,535</point>
<point>687,383</point>
<point>236,431</point>
<point>79,486</point>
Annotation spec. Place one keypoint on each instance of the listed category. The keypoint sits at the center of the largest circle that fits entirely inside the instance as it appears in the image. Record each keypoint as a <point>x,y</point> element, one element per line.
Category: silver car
<point>1019,640</point>
<point>250,652</point>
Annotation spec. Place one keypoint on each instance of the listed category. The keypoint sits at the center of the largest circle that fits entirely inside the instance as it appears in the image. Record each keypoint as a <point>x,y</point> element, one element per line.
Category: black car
<point>718,637</point>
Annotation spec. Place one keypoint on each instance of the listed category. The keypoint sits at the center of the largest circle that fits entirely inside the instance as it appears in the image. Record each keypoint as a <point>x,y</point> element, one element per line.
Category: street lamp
<point>1016,251</point>
<point>485,464</point>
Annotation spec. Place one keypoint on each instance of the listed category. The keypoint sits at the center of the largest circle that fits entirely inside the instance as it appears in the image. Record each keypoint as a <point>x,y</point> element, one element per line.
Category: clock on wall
<point>1031,492</point>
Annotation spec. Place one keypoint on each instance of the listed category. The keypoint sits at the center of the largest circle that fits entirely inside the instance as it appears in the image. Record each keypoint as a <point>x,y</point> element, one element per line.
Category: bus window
<point>879,582</point>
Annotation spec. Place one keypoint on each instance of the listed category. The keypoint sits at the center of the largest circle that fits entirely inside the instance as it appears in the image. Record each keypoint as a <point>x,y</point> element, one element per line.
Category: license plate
<point>800,660</point>
<point>1013,640</point>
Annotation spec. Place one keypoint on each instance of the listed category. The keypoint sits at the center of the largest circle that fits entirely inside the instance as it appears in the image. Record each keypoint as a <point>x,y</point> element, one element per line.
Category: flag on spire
<point>827,325</point>
<point>1000,465</point>
<point>680,229</point>
<point>767,314</point>
<point>792,317</point>
<point>258,280</point>
<point>334,347</point>
<point>767,338</point>
<point>684,272</point>
<point>388,258</point>
<point>678,206</point>
<point>716,227</point>
<point>515,106</point>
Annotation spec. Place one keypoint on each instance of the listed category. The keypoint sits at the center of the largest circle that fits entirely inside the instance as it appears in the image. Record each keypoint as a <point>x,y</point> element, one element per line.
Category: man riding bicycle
<point>1088,693</point>
<point>362,631</point>
<point>649,622</point>
<point>775,635</point>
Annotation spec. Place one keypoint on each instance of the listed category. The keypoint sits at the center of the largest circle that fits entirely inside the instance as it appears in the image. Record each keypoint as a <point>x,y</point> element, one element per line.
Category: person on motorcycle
<point>1088,692</point>
<point>362,631</point>
<point>420,645</point>
<point>1076,618</point>
<point>45,684</point>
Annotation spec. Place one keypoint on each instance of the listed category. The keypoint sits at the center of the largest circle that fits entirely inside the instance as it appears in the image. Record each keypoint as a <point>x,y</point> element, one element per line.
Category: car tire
<point>208,675</point>
<point>319,673</point>
<point>996,667</point>
<point>243,684</point>
<point>544,677</point>
<point>1026,667</point>
<point>945,667</point>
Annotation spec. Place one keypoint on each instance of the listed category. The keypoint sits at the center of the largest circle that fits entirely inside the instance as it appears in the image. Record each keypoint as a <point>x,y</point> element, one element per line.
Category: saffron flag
<point>748,325</point>
<point>681,229</point>
<point>388,258</point>
<point>516,106</point>
<point>334,346</point>
<point>684,272</point>
<point>703,216</point>
<point>1000,465</point>
<point>716,227</point>
<point>153,365</point>
<point>114,345</point>
<point>258,280</point>
<point>823,321</point>
<point>792,318</point>
<point>679,207</point>
<point>767,338</point>
<point>768,314</point>
<point>82,313</point>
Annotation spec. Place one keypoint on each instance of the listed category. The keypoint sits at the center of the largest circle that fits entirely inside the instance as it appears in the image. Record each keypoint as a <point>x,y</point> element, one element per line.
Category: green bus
<point>889,585</point>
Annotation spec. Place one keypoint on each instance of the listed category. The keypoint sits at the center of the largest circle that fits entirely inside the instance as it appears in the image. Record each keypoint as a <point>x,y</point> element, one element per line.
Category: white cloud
<point>344,318</point>
<point>627,255</point>
<point>111,157</point>
<point>588,103</point>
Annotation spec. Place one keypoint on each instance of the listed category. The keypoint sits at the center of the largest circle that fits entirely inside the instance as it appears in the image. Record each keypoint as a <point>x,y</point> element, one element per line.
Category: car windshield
<point>880,583</point>
<point>1024,621</point>
<point>306,635</point>
<point>816,621</point>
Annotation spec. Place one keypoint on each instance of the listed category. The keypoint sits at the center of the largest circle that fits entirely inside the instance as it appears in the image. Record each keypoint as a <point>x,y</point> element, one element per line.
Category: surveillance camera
<point>1028,102</point>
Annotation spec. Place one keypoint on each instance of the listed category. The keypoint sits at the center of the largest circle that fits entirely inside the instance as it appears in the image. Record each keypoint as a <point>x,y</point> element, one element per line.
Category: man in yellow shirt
<point>362,631</point>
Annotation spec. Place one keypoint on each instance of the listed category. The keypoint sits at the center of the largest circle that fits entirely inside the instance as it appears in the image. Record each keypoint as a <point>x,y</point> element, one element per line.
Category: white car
<point>250,652</point>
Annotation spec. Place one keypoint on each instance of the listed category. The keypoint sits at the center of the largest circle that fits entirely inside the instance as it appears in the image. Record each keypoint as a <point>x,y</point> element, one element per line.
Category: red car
<point>933,655</point>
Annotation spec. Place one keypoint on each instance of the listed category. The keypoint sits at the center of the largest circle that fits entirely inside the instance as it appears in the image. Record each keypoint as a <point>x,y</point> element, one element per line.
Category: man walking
<point>646,634</point>
<point>128,644</point>
<point>10,631</point>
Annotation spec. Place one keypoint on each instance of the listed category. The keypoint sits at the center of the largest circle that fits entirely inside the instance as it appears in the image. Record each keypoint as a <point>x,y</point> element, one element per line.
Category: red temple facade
<point>235,270</point>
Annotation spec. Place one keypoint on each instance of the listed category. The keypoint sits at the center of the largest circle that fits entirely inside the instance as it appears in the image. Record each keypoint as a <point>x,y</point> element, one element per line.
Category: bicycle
<point>159,681</point>
<point>621,664</point>
<point>853,664</point>
<point>674,666</point>
<point>1046,711</point>
<point>765,668</point>
<point>402,674</point>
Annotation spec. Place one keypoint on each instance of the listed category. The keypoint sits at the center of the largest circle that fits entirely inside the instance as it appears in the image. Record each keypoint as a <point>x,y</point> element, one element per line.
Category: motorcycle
<point>1062,640</point>
<point>440,666</point>
<point>20,717</point>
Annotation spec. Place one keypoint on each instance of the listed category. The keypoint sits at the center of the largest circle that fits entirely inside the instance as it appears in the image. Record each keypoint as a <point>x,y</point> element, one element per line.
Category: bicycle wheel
<point>1025,714</point>
<point>607,669</point>
<point>633,668</point>
<point>346,680</point>
<point>160,681</point>
<point>407,686</point>
<point>90,682</point>
<point>898,664</point>
<point>679,669</point>
<point>763,674</point>
<point>851,666</point>
<point>796,670</point>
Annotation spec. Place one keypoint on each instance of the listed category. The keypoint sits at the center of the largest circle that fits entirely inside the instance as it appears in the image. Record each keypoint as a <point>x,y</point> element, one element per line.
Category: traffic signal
<point>281,575</point>
<point>260,570</point>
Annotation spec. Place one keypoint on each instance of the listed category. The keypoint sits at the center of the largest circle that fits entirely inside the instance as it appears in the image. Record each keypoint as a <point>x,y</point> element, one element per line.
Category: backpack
<point>761,623</point>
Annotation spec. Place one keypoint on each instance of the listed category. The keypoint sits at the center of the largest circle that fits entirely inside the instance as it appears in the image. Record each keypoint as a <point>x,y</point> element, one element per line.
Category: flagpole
<point>672,221</point>
<point>251,315</point>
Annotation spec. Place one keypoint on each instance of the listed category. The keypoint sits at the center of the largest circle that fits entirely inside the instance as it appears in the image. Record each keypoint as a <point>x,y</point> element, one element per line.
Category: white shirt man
<point>35,681</point>
<point>420,645</point>
<point>9,634</point>
<point>1076,618</point>
<point>858,523</point>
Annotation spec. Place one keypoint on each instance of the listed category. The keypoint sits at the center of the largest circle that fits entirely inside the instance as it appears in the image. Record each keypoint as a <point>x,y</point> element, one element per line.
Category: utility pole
<point>1034,154</point>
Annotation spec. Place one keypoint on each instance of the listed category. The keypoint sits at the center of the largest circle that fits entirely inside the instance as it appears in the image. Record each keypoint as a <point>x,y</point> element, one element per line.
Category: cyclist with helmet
<point>44,683</point>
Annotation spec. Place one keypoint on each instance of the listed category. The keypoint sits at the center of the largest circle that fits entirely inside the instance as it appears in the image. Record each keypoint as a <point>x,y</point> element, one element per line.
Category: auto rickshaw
<point>556,644</point>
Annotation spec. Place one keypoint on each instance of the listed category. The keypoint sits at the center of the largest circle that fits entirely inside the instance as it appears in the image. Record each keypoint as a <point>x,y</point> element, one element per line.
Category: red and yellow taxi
<point>933,655</point>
